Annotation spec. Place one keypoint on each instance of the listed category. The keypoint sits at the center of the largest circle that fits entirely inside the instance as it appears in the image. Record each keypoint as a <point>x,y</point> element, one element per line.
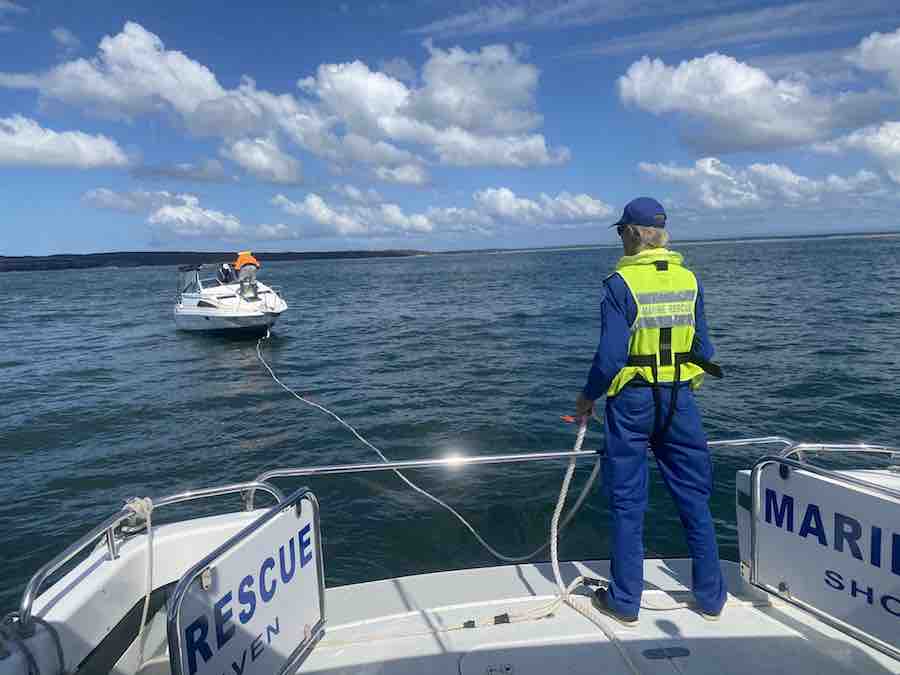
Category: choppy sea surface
<point>472,353</point>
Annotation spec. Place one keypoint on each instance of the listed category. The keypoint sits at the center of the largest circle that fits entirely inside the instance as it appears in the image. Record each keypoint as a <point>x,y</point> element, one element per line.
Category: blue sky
<point>441,125</point>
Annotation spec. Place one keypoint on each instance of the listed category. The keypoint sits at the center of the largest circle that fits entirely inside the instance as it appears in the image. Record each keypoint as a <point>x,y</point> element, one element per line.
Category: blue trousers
<point>683,459</point>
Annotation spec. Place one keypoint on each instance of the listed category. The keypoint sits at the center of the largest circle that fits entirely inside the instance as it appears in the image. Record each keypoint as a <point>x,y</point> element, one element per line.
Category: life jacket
<point>659,351</point>
<point>245,258</point>
<point>662,334</point>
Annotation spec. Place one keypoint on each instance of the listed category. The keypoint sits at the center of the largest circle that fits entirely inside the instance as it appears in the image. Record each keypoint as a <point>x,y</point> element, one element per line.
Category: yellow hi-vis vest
<point>663,330</point>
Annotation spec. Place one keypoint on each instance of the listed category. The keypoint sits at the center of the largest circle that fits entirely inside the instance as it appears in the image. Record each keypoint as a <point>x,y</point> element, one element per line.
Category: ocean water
<point>478,353</point>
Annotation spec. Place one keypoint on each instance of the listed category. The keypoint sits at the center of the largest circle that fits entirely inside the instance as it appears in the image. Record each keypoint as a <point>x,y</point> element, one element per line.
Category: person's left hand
<point>583,406</point>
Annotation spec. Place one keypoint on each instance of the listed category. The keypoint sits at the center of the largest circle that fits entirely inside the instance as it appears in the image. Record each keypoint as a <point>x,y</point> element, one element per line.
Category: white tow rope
<point>565,593</point>
<point>490,549</point>
<point>143,507</point>
<point>560,504</point>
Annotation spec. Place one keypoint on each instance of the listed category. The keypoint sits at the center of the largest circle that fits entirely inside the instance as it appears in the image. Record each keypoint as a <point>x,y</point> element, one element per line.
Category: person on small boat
<point>245,258</point>
<point>654,348</point>
<point>246,266</point>
<point>226,274</point>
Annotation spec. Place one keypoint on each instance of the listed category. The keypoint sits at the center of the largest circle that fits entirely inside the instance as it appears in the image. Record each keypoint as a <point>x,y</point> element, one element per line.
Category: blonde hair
<point>637,238</point>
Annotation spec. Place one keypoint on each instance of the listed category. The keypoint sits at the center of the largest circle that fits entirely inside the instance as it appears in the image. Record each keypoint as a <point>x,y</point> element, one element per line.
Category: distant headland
<point>158,258</point>
<point>68,261</point>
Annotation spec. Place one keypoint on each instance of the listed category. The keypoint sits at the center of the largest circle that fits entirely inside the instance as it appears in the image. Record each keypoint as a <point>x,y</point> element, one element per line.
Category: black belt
<point>649,361</point>
<point>667,357</point>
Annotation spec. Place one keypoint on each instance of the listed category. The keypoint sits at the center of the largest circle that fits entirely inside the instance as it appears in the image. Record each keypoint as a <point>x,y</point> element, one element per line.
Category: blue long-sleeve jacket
<point>618,311</point>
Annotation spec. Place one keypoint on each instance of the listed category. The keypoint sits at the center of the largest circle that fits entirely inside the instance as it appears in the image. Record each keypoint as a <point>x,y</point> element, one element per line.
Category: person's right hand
<point>583,406</point>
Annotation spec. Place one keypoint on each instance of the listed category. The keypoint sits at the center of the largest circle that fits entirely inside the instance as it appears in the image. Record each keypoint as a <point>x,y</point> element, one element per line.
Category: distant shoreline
<point>162,258</point>
<point>66,261</point>
<point>889,234</point>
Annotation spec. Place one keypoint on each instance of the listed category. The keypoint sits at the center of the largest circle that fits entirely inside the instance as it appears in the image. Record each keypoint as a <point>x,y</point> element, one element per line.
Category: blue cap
<point>644,211</point>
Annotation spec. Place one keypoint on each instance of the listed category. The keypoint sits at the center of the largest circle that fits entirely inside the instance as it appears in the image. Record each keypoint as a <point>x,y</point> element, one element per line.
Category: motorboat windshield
<point>188,279</point>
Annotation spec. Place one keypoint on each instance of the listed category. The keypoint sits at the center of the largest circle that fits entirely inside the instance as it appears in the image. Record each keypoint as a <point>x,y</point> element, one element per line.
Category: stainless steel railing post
<point>107,529</point>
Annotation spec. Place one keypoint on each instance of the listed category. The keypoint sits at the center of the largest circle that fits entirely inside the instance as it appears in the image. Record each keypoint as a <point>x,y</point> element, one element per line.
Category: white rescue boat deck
<point>412,625</point>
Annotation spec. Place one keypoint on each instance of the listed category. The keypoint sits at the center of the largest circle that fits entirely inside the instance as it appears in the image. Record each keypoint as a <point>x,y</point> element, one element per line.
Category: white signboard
<point>833,546</point>
<point>255,606</point>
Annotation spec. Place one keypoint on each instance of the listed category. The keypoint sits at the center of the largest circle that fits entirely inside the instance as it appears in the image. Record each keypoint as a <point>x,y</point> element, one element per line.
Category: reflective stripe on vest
<point>665,293</point>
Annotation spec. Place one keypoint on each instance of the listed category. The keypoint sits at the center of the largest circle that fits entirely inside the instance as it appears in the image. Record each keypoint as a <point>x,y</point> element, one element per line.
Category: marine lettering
<point>812,524</point>
<point>848,534</point>
<point>847,529</point>
<point>782,513</point>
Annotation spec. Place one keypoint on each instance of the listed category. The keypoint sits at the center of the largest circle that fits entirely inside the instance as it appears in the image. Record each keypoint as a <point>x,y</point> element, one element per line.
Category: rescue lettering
<point>205,635</point>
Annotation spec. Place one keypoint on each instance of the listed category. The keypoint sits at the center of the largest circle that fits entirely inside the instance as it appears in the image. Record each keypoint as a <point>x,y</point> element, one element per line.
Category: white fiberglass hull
<point>197,319</point>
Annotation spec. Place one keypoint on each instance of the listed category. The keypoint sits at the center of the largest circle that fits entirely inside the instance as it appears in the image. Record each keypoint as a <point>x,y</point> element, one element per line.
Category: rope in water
<point>490,549</point>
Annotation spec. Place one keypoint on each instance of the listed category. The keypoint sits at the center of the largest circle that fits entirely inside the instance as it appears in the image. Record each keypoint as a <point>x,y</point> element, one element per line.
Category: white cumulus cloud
<point>262,158</point>
<point>278,231</point>
<point>353,219</point>
<point>393,216</point>
<point>736,105</point>
<point>491,90</point>
<point>174,216</point>
<point>879,52</point>
<point>405,174</point>
<point>134,201</point>
<point>724,105</point>
<point>565,208</point>
<point>471,108</point>
<point>491,208</point>
<point>356,148</point>
<point>132,73</point>
<point>24,142</point>
<point>718,185</point>
<point>188,220</point>
<point>880,141</point>
<point>316,209</point>
<point>355,194</point>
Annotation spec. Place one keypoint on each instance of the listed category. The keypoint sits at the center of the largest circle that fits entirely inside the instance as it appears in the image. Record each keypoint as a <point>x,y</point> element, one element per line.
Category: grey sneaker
<point>709,616</point>
<point>601,604</point>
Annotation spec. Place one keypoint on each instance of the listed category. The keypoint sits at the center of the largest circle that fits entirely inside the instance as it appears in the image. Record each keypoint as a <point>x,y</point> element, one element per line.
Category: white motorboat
<point>220,300</point>
<point>816,590</point>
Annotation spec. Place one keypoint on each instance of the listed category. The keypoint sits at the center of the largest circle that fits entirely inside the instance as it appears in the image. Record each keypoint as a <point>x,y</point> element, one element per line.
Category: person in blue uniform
<point>654,351</point>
